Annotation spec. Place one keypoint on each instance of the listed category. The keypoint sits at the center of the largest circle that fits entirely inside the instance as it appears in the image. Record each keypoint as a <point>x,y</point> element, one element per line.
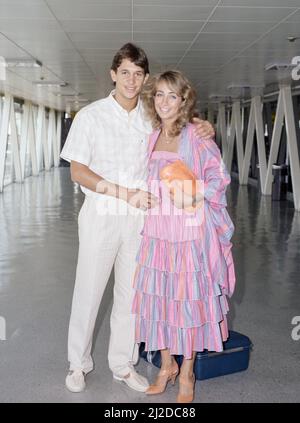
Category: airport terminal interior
<point>243,58</point>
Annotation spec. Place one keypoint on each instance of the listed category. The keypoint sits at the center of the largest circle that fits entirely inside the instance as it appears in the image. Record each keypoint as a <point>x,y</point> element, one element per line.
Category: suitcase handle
<point>229,351</point>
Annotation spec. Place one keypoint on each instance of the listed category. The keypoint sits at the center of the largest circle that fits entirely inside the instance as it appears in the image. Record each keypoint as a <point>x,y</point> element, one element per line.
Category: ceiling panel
<point>9,50</point>
<point>295,17</point>
<point>114,44</point>
<point>210,3</point>
<point>164,62</point>
<point>200,71</point>
<point>100,37</point>
<point>196,65</point>
<point>162,37</point>
<point>282,31</point>
<point>36,74</point>
<point>172,12</point>
<point>34,37</point>
<point>277,39</point>
<point>37,46</point>
<point>95,55</point>
<point>261,3</point>
<point>72,68</point>
<point>76,9</point>
<point>238,27</point>
<point>27,26</point>
<point>259,14</point>
<point>81,3</point>
<point>95,25</point>
<point>79,78</point>
<point>60,55</point>
<point>77,39</point>
<point>169,26</point>
<point>223,41</point>
<point>100,69</point>
<point>20,9</point>
<point>209,60</point>
<point>277,54</point>
<point>212,53</point>
<point>164,47</point>
<point>31,3</point>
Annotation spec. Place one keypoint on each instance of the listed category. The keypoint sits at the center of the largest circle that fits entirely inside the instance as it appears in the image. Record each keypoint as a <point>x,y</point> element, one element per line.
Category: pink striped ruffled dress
<point>185,268</point>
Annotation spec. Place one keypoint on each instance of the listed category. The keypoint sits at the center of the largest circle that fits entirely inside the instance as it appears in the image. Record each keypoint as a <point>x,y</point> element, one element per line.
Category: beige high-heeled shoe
<point>188,383</point>
<point>162,379</point>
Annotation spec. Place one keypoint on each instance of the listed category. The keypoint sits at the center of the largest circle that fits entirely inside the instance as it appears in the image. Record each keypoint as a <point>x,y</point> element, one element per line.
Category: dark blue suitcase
<point>234,358</point>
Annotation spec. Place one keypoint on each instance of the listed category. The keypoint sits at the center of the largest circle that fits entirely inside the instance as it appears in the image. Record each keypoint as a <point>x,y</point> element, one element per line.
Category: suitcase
<point>234,358</point>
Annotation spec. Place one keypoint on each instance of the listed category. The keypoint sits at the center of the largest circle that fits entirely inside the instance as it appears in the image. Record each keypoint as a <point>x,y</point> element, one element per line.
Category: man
<point>107,148</point>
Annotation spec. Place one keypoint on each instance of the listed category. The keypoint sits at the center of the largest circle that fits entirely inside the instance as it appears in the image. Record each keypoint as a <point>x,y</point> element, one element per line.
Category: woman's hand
<point>203,128</point>
<point>140,199</point>
<point>181,199</point>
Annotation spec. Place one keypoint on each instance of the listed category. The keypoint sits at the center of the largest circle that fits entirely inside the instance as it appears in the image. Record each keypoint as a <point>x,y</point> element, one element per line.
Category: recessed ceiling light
<point>218,96</point>
<point>279,66</point>
<point>50,84</point>
<point>81,100</point>
<point>23,63</point>
<point>243,86</point>
<point>68,94</point>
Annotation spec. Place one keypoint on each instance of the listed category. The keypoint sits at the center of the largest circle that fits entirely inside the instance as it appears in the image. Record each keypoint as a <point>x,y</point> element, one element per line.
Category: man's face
<point>129,79</point>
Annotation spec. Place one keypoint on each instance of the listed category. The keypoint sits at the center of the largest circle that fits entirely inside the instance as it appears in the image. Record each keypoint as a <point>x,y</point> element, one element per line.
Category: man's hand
<point>141,199</point>
<point>203,129</point>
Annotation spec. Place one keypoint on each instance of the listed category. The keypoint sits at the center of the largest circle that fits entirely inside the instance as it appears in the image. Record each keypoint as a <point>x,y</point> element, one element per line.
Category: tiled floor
<point>38,252</point>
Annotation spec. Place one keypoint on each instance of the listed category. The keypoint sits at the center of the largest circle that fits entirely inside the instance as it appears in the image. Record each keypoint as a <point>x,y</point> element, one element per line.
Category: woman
<point>185,268</point>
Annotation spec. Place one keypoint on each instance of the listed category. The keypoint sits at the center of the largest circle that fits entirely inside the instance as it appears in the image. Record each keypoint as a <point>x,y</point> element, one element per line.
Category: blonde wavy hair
<point>182,87</point>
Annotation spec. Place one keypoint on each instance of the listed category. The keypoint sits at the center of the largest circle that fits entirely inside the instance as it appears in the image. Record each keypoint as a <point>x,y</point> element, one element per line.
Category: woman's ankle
<point>168,364</point>
<point>188,375</point>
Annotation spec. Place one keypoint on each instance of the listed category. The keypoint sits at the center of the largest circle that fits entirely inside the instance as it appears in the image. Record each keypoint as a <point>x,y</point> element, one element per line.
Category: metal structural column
<point>15,144</point>
<point>57,139</point>
<point>255,123</point>
<point>4,135</point>
<point>292,143</point>
<point>32,141</point>
<point>221,126</point>
<point>51,133</point>
<point>42,148</point>
<point>24,137</point>
<point>236,133</point>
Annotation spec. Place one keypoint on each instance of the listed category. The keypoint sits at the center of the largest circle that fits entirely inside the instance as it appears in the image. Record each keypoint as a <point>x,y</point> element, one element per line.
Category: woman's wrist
<point>197,198</point>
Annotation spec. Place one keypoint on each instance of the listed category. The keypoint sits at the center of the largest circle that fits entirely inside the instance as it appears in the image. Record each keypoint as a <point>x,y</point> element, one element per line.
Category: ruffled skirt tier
<point>177,303</point>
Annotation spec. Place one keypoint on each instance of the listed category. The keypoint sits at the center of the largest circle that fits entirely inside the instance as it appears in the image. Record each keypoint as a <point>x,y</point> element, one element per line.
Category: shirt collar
<point>120,108</point>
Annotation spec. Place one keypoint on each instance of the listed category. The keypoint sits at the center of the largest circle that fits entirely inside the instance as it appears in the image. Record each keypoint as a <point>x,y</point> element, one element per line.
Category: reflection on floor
<point>38,252</point>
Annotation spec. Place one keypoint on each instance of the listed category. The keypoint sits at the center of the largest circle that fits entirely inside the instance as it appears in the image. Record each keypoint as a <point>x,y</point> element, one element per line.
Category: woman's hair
<point>133,53</point>
<point>182,87</point>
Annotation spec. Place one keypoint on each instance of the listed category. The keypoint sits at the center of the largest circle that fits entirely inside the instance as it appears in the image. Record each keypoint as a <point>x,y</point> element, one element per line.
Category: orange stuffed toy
<point>178,171</point>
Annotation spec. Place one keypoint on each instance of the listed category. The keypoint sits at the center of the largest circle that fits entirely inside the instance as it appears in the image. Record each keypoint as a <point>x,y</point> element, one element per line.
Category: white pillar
<point>292,147</point>
<point>14,139</point>
<point>276,135</point>
<point>4,135</point>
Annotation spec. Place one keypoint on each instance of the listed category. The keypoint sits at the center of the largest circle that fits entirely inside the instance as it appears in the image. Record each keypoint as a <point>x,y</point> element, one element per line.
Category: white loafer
<point>75,380</point>
<point>134,381</point>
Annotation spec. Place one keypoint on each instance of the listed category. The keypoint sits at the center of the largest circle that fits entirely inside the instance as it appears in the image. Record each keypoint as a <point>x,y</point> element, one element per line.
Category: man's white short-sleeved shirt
<point>111,142</point>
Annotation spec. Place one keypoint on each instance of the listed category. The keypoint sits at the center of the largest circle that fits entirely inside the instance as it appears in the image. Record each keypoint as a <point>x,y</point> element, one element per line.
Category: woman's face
<point>167,102</point>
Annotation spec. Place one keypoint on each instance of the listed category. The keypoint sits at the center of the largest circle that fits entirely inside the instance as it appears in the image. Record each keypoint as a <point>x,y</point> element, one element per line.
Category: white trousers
<point>104,242</point>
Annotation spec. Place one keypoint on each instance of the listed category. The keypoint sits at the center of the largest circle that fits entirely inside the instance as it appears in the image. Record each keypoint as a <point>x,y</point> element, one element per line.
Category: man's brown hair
<point>133,53</point>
